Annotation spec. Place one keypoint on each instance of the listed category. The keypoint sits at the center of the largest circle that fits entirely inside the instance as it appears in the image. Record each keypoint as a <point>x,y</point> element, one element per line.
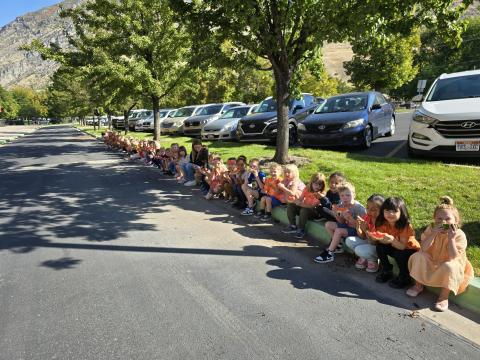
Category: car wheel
<point>367,137</point>
<point>292,135</point>
<point>391,131</point>
<point>411,152</point>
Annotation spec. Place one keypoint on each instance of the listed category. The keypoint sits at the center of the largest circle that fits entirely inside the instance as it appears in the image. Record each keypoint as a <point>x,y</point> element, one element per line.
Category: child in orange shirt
<point>442,261</point>
<point>304,206</point>
<point>273,196</point>
<point>398,241</point>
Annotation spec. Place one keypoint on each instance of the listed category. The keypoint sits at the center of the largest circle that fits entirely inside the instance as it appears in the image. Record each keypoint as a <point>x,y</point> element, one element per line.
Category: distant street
<point>101,258</point>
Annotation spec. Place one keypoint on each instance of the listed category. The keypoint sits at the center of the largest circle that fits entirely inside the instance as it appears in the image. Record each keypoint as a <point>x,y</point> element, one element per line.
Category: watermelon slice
<point>376,235</point>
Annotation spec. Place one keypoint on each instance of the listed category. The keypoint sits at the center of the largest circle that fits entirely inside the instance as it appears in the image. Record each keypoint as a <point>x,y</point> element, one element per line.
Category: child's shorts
<point>275,201</point>
<point>350,230</point>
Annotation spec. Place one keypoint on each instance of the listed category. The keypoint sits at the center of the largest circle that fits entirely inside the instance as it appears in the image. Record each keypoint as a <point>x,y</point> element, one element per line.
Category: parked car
<point>137,115</point>
<point>148,123</point>
<point>193,125</point>
<point>225,127</point>
<point>174,124</point>
<point>118,122</point>
<point>447,123</point>
<point>262,125</point>
<point>349,119</point>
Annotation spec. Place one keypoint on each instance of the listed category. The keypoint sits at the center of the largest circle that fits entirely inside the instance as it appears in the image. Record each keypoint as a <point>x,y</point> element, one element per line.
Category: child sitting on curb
<point>346,213</point>
<point>273,196</point>
<point>304,206</point>
<point>252,186</point>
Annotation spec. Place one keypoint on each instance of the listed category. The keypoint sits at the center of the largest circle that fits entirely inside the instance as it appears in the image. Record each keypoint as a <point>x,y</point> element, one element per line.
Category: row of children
<point>381,229</point>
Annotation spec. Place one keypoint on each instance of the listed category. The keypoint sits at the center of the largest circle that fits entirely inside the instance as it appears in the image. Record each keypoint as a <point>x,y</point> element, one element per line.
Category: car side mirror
<point>418,98</point>
<point>296,108</point>
<point>376,107</point>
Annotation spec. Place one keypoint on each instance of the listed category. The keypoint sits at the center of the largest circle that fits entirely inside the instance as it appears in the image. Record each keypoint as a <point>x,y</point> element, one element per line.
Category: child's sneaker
<point>190,183</point>
<point>300,234</point>
<point>372,266</point>
<point>209,196</point>
<point>361,263</point>
<point>247,211</point>
<point>339,249</point>
<point>325,257</point>
<point>259,214</point>
<point>266,218</point>
<point>290,229</point>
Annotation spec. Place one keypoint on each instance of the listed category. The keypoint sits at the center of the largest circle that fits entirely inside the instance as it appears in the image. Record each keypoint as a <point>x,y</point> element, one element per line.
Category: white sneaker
<point>209,196</point>
<point>190,183</point>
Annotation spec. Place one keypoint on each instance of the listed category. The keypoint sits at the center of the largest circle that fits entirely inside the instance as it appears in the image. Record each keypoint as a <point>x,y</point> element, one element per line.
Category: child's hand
<point>452,231</point>
<point>255,172</point>
<point>281,187</point>
<point>388,239</point>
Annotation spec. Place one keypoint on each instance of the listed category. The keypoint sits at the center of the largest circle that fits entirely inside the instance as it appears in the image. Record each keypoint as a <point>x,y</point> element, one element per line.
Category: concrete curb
<point>470,299</point>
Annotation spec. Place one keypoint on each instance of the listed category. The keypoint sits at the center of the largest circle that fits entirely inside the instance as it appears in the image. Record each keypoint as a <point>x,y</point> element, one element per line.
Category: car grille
<point>167,125</point>
<point>316,128</point>
<point>213,130</point>
<point>253,128</point>
<point>458,128</point>
<point>193,123</point>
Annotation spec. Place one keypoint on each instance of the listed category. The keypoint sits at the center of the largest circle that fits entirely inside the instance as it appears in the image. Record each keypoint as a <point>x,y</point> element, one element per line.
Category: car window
<point>309,100</point>
<point>461,87</point>
<point>210,110</point>
<point>347,103</point>
<point>184,112</point>
<point>381,99</point>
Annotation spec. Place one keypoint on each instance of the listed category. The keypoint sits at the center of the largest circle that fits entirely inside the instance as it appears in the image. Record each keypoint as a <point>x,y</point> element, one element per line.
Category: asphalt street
<point>101,258</point>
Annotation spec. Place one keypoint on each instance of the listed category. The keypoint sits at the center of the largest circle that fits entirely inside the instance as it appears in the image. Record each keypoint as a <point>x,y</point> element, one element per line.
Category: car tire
<point>367,138</point>
<point>292,135</point>
<point>411,152</point>
<point>391,132</point>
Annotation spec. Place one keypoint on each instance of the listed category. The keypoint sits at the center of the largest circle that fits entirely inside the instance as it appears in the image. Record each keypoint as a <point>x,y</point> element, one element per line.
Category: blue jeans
<point>189,171</point>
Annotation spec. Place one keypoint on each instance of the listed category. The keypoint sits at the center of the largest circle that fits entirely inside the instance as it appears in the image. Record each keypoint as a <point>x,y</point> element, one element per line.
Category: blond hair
<point>346,186</point>
<point>446,203</point>
<point>293,169</point>
<point>278,167</point>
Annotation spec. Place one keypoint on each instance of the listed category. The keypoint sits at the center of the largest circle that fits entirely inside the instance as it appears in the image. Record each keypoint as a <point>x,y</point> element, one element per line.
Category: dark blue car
<point>354,119</point>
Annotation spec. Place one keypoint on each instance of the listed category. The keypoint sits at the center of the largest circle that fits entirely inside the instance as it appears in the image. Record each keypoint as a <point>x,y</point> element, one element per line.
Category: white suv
<point>447,123</point>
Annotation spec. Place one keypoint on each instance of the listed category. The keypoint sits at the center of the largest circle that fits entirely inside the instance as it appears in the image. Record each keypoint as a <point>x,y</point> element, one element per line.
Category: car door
<point>387,113</point>
<point>376,116</point>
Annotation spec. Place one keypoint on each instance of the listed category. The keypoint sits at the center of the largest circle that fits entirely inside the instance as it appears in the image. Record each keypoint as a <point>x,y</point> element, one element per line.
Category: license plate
<point>210,137</point>
<point>472,145</point>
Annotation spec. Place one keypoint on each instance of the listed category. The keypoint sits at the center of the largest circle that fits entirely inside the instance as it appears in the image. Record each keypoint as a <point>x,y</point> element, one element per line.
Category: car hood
<point>260,116</point>
<point>176,120</point>
<point>459,109</point>
<point>219,123</point>
<point>201,117</point>
<point>337,117</point>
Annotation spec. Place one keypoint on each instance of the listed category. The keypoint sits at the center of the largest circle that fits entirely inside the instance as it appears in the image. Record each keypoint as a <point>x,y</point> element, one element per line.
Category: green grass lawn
<point>419,182</point>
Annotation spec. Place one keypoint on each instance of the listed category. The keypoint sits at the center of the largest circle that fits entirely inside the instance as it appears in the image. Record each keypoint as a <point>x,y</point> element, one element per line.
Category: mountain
<point>28,69</point>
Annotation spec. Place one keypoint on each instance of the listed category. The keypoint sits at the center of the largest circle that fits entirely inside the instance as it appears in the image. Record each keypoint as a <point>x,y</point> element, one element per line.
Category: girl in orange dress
<point>442,261</point>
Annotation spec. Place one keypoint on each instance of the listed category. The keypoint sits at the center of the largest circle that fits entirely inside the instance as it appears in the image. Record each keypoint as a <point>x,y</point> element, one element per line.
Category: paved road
<point>394,146</point>
<point>104,259</point>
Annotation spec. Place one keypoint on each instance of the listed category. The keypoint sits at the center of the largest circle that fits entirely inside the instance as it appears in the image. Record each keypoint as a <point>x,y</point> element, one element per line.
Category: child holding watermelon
<point>394,237</point>
<point>442,261</point>
<point>363,247</point>
<point>345,225</point>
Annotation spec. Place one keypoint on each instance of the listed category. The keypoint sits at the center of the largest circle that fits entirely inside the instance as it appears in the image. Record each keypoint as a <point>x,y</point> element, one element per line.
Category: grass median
<point>419,182</point>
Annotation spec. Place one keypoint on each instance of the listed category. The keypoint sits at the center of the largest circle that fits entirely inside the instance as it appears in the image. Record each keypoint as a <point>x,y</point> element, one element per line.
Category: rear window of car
<point>347,103</point>
<point>461,87</point>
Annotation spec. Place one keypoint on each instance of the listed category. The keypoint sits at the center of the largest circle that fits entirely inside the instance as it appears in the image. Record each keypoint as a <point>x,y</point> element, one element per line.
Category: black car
<point>349,119</point>
<point>261,126</point>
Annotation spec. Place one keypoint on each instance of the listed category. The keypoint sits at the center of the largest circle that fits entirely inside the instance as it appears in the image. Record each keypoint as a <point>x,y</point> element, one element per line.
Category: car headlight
<point>302,127</point>
<point>353,123</point>
<point>420,117</point>
<point>228,127</point>
<point>271,121</point>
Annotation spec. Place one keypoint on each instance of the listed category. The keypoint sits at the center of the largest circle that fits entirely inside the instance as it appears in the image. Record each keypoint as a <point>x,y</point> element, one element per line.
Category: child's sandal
<point>414,291</point>
<point>441,306</point>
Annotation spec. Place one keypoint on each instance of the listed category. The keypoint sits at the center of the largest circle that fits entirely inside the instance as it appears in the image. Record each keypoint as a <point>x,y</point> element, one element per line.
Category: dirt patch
<point>297,160</point>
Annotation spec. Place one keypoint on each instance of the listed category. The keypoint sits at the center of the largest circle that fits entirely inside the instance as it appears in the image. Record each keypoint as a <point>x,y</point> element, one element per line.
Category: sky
<point>10,9</point>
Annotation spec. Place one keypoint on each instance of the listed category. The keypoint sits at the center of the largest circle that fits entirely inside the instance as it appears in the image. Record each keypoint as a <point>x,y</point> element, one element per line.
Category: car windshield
<point>188,111</point>
<point>162,114</point>
<point>144,114</point>
<point>348,103</point>
<point>269,105</point>
<point>461,87</point>
<point>210,110</point>
<point>235,113</point>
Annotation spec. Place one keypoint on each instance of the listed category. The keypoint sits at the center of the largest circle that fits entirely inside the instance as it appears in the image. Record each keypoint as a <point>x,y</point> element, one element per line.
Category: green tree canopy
<point>8,104</point>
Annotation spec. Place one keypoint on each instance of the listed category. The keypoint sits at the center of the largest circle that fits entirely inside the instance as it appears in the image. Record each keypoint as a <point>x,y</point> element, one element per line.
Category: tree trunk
<point>94,125</point>
<point>156,120</point>
<point>282,86</point>
<point>125,120</point>
<point>109,117</point>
